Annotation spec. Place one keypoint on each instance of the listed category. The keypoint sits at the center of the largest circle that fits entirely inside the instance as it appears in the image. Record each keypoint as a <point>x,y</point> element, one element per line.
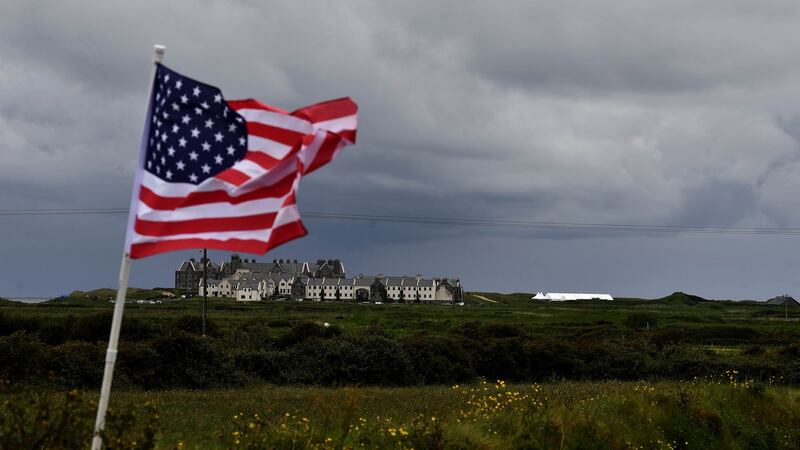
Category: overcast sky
<point>632,112</point>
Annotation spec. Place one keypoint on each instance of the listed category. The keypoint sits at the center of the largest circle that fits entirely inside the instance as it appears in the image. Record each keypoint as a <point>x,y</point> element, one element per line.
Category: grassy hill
<point>131,294</point>
<point>6,302</point>
<point>681,299</point>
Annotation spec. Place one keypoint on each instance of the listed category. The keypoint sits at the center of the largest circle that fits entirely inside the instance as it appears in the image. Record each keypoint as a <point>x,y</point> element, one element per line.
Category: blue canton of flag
<point>194,134</point>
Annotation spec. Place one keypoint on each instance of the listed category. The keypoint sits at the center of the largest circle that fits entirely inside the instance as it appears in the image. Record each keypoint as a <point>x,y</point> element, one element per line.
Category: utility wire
<point>489,223</point>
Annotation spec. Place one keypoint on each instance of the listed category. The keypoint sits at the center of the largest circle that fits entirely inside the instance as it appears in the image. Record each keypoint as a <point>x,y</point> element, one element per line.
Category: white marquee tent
<point>562,297</point>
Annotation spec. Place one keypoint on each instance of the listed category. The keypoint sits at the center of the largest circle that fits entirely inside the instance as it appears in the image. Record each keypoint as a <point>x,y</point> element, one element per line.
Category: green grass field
<point>677,372</point>
<point>726,413</point>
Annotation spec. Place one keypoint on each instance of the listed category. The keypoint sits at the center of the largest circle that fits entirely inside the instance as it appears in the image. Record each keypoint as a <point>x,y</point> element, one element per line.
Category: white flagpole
<point>124,271</point>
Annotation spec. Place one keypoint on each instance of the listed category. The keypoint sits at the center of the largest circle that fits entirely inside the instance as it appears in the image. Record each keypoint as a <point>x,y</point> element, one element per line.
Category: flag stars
<point>194,133</point>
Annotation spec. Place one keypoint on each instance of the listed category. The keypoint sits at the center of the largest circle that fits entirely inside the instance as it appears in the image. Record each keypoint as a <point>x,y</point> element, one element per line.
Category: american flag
<point>223,174</point>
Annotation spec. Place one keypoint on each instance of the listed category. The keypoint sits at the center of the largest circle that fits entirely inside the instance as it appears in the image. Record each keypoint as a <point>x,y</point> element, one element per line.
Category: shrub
<point>370,360</point>
<point>641,321</point>
<point>193,324</point>
<point>22,357</point>
<point>253,334</point>
<point>438,360</point>
<point>304,331</point>
<point>77,364</point>
<point>184,360</point>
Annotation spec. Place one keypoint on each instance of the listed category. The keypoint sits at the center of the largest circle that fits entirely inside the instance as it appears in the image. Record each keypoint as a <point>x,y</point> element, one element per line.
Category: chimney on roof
<point>274,261</point>
<point>191,259</point>
<point>295,261</point>
<point>280,261</point>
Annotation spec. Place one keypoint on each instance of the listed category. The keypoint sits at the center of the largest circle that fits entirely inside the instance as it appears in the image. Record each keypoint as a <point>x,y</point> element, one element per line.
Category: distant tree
<point>416,296</point>
<point>337,296</point>
<point>384,296</point>
<point>402,296</point>
<point>322,294</point>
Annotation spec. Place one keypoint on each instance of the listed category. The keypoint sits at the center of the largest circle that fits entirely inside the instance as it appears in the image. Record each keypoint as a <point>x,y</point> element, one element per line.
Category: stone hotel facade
<point>323,280</point>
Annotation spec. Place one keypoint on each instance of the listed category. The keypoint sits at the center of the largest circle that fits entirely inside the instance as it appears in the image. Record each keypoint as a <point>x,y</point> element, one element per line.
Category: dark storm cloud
<point>614,112</point>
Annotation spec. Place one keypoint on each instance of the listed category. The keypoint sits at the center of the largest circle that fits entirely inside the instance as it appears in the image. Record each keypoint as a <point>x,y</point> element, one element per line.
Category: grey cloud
<point>624,111</point>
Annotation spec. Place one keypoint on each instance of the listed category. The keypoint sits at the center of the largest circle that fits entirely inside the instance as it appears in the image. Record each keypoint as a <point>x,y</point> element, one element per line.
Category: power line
<point>490,223</point>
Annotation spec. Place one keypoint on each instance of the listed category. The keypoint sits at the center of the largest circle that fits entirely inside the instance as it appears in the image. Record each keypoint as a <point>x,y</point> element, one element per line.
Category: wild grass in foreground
<point>722,413</point>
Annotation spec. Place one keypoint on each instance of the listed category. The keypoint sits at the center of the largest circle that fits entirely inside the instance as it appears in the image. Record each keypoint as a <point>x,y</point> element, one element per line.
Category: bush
<point>78,364</point>
<point>438,360</point>
<point>23,358</point>
<point>181,360</point>
<point>193,324</point>
<point>366,360</point>
<point>304,331</point>
<point>252,334</point>
<point>641,321</point>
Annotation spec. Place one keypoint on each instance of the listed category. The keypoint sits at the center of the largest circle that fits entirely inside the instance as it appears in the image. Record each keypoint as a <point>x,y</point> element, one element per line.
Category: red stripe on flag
<point>286,232</point>
<point>237,245</point>
<point>158,202</point>
<point>262,159</point>
<point>250,103</point>
<point>233,177</point>
<point>325,153</point>
<point>277,134</point>
<point>348,135</point>
<point>209,225</point>
<point>331,109</point>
